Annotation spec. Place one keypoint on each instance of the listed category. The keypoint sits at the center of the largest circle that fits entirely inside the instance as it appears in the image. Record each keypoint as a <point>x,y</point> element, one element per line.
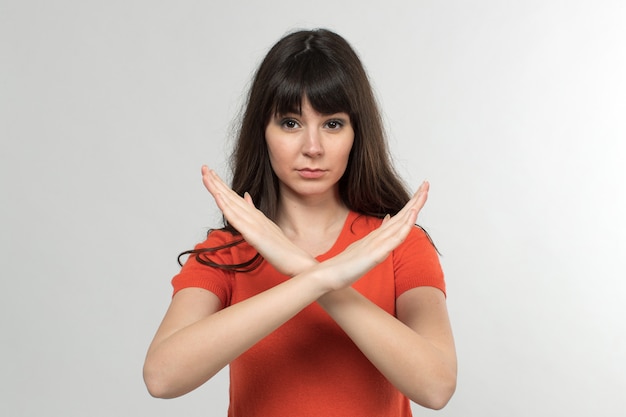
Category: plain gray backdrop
<point>513,110</point>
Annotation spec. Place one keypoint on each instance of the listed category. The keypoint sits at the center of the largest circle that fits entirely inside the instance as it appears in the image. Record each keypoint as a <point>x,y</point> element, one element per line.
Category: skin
<point>309,153</point>
<point>415,351</point>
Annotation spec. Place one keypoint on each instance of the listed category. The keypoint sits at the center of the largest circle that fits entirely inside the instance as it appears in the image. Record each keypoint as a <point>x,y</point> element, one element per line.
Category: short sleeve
<point>197,275</point>
<point>416,263</point>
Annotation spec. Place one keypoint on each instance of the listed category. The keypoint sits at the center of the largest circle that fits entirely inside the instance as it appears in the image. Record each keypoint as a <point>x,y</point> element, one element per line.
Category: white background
<point>514,110</point>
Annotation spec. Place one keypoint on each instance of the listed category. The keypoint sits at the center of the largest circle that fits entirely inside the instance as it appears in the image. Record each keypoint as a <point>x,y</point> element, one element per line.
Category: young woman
<point>320,292</point>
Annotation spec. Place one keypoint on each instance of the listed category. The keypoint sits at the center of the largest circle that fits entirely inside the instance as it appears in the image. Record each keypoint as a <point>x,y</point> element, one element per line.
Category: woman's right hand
<point>259,231</point>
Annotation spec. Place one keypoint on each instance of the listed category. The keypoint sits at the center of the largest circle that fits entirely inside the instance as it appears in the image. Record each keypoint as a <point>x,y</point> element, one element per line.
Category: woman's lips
<point>311,173</point>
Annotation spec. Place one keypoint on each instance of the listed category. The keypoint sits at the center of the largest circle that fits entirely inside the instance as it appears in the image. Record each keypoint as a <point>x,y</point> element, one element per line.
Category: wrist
<point>302,263</point>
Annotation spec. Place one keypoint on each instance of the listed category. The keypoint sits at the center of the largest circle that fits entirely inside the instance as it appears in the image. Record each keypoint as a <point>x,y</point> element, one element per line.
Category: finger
<point>421,191</point>
<point>223,195</point>
<point>216,185</point>
<point>207,180</point>
<point>233,206</point>
<point>422,195</point>
<point>400,224</point>
<point>412,217</point>
<point>226,190</point>
<point>418,200</point>
<point>248,198</point>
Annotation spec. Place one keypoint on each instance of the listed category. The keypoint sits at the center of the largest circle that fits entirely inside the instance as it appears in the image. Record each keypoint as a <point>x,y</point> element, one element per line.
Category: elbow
<point>156,390</point>
<point>438,394</point>
<point>156,383</point>
<point>155,387</point>
<point>444,394</point>
<point>438,400</point>
<point>166,380</point>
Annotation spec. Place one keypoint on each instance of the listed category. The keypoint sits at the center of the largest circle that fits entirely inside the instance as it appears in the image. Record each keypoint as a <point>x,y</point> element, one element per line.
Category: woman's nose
<point>312,143</point>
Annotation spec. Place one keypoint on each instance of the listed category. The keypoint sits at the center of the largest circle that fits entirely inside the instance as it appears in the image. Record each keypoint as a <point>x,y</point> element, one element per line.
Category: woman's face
<point>309,151</point>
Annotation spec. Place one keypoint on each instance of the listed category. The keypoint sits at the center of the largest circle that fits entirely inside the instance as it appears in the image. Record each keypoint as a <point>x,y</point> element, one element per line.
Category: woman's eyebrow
<point>337,115</point>
<point>278,113</point>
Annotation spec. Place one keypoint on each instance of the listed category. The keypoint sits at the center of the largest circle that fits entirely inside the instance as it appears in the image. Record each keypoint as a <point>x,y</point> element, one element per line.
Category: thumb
<point>248,198</point>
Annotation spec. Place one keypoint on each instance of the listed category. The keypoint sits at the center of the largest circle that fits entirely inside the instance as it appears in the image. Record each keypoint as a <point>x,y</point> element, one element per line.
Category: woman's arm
<point>197,338</point>
<point>415,352</point>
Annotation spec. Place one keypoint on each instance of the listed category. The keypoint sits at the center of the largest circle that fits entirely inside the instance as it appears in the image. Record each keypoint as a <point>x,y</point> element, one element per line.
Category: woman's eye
<point>289,124</point>
<point>334,124</point>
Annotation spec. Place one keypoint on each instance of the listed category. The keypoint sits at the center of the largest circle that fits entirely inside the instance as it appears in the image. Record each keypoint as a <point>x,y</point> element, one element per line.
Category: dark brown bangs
<point>311,74</point>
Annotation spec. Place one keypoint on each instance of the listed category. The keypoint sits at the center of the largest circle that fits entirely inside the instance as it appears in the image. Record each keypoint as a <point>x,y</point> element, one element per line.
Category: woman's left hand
<point>364,254</point>
<point>259,231</point>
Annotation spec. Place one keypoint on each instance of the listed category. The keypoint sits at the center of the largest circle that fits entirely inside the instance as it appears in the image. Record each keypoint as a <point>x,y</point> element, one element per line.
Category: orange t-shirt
<point>309,366</point>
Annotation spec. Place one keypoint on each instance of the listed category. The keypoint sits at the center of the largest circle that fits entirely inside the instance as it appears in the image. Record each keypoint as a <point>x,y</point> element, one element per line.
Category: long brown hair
<point>321,66</point>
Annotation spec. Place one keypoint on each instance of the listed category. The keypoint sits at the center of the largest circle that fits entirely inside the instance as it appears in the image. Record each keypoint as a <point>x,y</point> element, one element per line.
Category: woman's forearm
<point>191,355</point>
<point>419,368</point>
<point>415,365</point>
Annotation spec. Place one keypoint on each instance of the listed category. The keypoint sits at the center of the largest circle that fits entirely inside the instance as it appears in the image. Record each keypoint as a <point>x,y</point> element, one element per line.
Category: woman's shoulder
<point>219,237</point>
<point>226,246</point>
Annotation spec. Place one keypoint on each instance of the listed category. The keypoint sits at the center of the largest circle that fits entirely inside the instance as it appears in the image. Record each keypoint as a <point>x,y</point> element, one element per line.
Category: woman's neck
<point>312,224</point>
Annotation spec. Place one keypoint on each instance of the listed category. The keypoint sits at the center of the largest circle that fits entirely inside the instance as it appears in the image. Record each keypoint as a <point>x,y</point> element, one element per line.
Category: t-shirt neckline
<point>352,215</point>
